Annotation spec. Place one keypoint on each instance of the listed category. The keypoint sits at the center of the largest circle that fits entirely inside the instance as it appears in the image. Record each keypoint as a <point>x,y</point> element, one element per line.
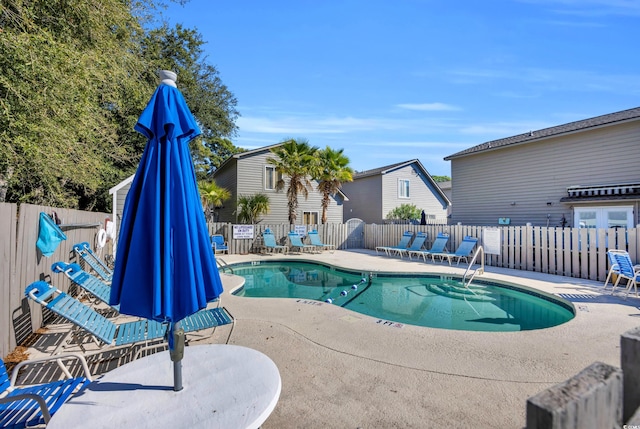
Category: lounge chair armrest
<point>58,358</point>
<point>46,415</point>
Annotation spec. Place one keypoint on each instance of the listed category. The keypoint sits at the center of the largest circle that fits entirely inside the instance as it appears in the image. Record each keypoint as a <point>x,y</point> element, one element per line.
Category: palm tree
<point>213,196</point>
<point>251,208</point>
<point>295,159</point>
<point>332,171</point>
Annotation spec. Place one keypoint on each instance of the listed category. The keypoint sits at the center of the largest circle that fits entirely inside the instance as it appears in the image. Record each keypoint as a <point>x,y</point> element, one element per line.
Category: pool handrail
<point>480,271</point>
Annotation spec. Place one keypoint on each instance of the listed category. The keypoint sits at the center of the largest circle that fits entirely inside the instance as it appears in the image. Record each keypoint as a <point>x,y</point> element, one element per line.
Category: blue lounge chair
<point>296,243</point>
<point>105,332</point>
<point>25,406</point>
<point>83,250</point>
<point>270,243</point>
<point>626,271</point>
<point>102,330</point>
<point>439,246</point>
<point>315,240</point>
<point>463,251</point>
<point>416,245</point>
<point>402,244</point>
<point>613,265</point>
<point>94,286</point>
<point>219,244</point>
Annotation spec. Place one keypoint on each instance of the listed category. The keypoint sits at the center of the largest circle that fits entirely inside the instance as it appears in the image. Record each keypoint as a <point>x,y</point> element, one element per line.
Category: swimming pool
<point>430,300</point>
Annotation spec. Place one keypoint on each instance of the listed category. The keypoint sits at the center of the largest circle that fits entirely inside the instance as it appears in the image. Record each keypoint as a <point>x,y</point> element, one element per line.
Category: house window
<point>403,188</point>
<point>604,217</point>
<point>271,177</point>
<point>310,218</point>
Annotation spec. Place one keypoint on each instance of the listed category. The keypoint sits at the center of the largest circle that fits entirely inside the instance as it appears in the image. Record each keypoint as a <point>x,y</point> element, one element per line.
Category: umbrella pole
<point>176,351</point>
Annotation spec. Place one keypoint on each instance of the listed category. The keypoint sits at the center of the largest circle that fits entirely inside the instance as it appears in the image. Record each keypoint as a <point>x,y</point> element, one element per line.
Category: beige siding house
<point>248,173</point>
<point>374,193</point>
<point>585,173</point>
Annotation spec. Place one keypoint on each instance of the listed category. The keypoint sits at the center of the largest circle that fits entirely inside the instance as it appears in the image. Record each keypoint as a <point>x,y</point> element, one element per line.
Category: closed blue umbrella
<point>165,268</point>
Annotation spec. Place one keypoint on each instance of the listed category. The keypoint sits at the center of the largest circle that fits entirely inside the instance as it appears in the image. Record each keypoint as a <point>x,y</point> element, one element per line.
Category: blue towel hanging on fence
<point>50,235</point>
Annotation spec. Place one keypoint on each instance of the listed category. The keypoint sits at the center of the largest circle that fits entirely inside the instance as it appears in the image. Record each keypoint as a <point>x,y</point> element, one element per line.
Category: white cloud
<point>304,124</point>
<point>591,8</point>
<point>428,107</point>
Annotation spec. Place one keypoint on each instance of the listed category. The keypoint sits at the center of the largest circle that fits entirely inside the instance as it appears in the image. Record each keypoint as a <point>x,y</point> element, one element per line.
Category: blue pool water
<point>429,300</point>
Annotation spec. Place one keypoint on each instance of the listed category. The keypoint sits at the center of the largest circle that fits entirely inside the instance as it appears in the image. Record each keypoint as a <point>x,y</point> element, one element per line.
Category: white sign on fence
<point>301,230</point>
<point>491,241</point>
<point>243,232</point>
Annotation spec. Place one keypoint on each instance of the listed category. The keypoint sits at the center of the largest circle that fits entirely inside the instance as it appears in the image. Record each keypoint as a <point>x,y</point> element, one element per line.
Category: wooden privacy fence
<point>572,252</point>
<point>21,263</point>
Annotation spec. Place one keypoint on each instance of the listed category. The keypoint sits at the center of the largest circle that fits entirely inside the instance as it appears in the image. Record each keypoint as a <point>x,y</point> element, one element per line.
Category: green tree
<point>180,49</point>
<point>213,196</point>
<point>70,93</point>
<point>75,77</point>
<point>295,160</point>
<point>406,212</point>
<point>332,170</point>
<point>439,179</point>
<point>252,208</point>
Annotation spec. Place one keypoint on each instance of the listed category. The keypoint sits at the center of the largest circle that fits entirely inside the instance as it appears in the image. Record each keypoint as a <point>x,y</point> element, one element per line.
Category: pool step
<point>460,292</point>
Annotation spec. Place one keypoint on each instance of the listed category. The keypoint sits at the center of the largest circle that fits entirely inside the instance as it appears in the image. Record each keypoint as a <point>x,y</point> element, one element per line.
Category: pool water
<point>436,301</point>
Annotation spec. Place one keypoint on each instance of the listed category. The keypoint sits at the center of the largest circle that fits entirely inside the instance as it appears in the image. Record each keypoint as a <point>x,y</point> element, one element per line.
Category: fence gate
<point>355,233</point>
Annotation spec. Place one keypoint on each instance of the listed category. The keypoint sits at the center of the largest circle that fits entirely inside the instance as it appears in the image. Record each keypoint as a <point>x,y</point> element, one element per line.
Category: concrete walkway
<point>342,369</point>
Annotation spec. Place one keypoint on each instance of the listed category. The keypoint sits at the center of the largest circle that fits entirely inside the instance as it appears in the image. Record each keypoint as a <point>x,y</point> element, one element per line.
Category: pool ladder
<point>222,265</point>
<point>472,273</point>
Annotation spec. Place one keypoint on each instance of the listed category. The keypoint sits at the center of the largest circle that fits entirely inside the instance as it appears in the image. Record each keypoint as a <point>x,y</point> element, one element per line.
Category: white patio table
<point>225,386</point>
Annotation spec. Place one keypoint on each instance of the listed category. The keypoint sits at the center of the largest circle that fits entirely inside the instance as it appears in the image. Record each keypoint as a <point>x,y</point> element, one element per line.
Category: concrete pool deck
<point>342,369</point>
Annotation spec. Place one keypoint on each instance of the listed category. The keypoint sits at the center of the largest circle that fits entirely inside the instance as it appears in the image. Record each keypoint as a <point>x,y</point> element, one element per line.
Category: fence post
<point>629,352</point>
<point>591,399</point>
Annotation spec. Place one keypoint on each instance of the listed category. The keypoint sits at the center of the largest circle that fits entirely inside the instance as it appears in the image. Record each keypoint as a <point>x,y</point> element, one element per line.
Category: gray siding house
<point>247,174</point>
<point>374,193</point>
<point>118,196</point>
<point>581,174</point>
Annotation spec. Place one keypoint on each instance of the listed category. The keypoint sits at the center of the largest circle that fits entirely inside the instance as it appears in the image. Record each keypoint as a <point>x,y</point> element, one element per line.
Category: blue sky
<point>393,80</point>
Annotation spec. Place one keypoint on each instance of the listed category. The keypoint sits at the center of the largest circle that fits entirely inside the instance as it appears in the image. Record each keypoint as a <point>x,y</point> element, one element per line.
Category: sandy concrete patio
<point>342,369</point>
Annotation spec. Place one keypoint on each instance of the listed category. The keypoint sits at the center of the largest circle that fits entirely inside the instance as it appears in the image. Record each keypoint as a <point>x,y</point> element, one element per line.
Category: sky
<point>394,80</point>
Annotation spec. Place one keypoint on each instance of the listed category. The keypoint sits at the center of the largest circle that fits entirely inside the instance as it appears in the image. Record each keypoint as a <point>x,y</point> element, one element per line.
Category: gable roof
<point>122,184</point>
<point>383,170</point>
<point>571,127</point>
<point>245,154</point>
<point>255,152</point>
<point>390,168</point>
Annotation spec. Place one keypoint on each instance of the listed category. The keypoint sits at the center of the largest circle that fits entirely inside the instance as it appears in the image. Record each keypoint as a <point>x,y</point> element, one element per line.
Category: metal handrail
<point>479,251</point>
<point>223,264</point>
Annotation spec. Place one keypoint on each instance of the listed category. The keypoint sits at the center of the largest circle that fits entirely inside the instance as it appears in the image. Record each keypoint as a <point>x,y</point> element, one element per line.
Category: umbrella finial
<point>168,78</point>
